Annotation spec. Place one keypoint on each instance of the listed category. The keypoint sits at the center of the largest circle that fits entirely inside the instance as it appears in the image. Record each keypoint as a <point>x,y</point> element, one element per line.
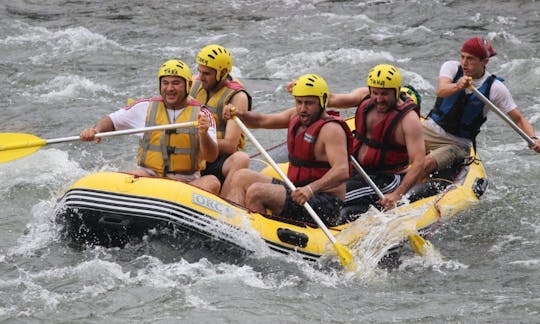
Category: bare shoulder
<point>411,118</point>
<point>411,125</point>
<point>240,100</point>
<point>332,131</point>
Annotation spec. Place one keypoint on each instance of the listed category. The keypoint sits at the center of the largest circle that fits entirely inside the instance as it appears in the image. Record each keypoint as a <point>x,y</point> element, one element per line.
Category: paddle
<point>15,145</point>
<point>417,242</point>
<point>344,254</point>
<point>507,119</point>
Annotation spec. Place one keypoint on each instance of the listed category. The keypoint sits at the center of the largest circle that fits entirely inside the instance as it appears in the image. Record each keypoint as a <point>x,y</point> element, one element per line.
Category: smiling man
<point>215,87</point>
<point>318,145</point>
<point>179,154</point>
<point>455,120</point>
<point>389,142</point>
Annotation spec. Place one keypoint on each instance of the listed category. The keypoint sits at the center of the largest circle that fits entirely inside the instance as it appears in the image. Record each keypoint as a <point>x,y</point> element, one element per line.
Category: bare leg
<point>240,182</point>
<point>140,172</point>
<point>238,160</point>
<point>430,166</point>
<point>209,183</point>
<point>261,196</point>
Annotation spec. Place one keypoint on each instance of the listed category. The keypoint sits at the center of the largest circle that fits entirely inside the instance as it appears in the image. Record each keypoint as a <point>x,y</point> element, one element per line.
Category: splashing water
<point>372,237</point>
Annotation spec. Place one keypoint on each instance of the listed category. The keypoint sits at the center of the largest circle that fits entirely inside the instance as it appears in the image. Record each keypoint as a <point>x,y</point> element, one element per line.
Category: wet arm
<point>230,141</point>
<point>347,100</point>
<point>446,87</point>
<point>105,124</point>
<point>335,145</point>
<point>525,126</point>
<point>269,121</point>
<point>414,139</point>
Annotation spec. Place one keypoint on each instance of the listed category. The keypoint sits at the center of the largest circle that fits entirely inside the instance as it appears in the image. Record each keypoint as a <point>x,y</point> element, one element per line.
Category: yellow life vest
<point>216,103</point>
<point>175,150</point>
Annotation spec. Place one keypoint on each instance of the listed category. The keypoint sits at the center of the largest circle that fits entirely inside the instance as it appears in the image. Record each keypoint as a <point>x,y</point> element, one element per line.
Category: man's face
<point>384,98</point>
<point>472,65</point>
<point>308,109</point>
<point>173,90</point>
<point>207,76</point>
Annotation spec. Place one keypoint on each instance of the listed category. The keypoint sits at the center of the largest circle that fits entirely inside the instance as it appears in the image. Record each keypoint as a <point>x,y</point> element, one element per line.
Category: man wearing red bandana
<point>454,122</point>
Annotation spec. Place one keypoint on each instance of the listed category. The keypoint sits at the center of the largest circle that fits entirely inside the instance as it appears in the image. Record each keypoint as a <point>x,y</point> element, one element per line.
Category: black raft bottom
<point>166,240</point>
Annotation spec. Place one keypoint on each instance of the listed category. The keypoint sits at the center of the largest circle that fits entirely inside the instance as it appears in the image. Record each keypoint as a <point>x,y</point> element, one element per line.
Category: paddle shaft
<point>505,117</point>
<point>126,132</point>
<point>417,242</point>
<point>366,177</point>
<point>287,181</point>
<point>98,135</point>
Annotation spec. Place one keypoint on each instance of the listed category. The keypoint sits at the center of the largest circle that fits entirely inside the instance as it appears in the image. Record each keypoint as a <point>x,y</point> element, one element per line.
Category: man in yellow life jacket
<point>180,153</point>
<point>215,88</point>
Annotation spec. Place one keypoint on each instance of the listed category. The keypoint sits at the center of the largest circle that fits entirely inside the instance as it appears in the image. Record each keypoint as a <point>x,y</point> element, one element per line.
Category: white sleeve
<point>130,117</point>
<point>501,97</point>
<point>212,132</point>
<point>449,69</point>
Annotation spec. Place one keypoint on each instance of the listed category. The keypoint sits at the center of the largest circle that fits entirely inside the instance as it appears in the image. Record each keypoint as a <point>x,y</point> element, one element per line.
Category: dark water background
<point>65,64</point>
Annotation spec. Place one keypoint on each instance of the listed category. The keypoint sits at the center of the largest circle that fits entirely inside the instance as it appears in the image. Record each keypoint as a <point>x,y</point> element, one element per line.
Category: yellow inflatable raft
<point>114,208</point>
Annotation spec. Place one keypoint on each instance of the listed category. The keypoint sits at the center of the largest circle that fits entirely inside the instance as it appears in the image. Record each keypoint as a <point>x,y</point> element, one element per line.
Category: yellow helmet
<point>385,76</point>
<point>177,68</point>
<point>216,57</point>
<point>410,91</point>
<point>311,85</point>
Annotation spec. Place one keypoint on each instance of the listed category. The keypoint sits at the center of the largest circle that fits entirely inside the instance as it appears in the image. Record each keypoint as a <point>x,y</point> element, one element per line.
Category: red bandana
<point>478,47</point>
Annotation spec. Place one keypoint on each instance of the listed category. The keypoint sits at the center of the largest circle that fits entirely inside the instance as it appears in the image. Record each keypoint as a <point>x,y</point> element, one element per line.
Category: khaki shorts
<point>443,149</point>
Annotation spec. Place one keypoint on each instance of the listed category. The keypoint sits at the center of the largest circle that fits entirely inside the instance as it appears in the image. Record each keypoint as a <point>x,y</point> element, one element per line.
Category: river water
<point>65,64</point>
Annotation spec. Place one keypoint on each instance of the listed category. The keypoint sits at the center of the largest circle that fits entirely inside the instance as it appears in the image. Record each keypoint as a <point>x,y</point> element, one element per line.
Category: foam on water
<point>527,264</point>
<point>39,233</point>
<point>55,169</point>
<point>55,43</point>
<point>291,65</point>
<point>505,241</point>
<point>84,280</point>
<point>433,261</point>
<point>64,87</point>
<point>102,274</point>
<point>372,236</point>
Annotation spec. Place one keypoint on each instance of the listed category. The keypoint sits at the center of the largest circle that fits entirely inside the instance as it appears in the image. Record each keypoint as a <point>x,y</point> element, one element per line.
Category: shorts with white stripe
<point>360,194</point>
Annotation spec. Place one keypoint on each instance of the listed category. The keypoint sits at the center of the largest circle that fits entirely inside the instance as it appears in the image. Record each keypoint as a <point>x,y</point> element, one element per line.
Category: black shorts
<point>325,205</point>
<point>361,195</point>
<point>216,167</point>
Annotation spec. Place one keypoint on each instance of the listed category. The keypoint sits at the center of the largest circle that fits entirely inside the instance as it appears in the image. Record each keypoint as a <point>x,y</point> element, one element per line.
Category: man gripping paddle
<point>319,146</point>
<point>178,154</point>
<point>453,124</point>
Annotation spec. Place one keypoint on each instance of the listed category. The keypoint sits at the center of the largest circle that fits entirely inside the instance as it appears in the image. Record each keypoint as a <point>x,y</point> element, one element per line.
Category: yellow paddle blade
<point>345,256</point>
<point>15,145</point>
<point>418,244</point>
